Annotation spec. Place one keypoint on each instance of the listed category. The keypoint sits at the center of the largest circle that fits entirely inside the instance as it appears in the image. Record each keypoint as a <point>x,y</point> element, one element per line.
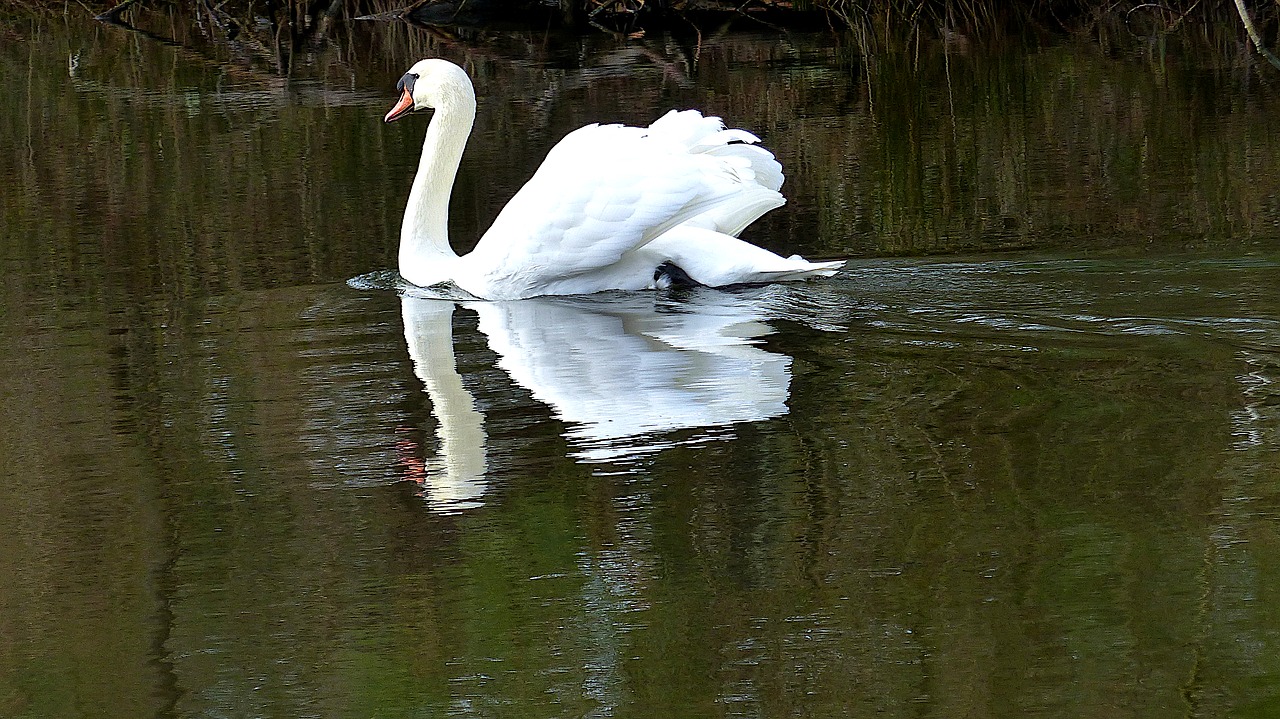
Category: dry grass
<point>879,21</point>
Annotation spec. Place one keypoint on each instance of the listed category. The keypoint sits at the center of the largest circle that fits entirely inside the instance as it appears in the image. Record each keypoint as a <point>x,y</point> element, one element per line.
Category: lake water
<point>1018,459</point>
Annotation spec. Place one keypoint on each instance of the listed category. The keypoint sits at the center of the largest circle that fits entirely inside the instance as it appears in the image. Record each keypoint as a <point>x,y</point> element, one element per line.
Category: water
<point>1017,460</point>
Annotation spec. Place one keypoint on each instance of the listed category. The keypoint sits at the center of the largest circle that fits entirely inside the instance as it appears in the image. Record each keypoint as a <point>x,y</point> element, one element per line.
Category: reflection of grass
<point>1017,145</point>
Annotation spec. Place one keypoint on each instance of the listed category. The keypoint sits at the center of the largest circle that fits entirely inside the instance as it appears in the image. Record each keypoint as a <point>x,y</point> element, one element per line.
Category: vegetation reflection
<point>1000,484</point>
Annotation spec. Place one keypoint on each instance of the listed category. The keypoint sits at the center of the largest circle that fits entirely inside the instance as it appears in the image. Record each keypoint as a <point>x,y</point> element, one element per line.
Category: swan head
<point>432,83</point>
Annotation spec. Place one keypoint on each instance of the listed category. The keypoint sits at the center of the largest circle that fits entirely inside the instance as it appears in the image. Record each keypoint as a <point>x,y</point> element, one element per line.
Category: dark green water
<point>1019,459</point>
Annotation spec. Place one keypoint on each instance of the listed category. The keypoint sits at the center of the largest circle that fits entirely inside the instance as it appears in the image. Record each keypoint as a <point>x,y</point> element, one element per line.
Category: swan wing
<point>606,190</point>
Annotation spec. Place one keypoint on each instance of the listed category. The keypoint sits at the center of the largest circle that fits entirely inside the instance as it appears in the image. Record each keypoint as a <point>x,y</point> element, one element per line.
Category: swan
<point>611,208</point>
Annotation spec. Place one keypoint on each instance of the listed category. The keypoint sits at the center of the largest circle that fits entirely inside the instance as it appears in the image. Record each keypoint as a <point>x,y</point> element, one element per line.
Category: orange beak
<point>402,108</point>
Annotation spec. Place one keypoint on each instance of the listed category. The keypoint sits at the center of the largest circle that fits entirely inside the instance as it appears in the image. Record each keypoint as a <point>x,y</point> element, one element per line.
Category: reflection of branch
<point>273,49</point>
<point>113,15</point>
<point>414,6</point>
<point>183,49</point>
<point>1254,35</point>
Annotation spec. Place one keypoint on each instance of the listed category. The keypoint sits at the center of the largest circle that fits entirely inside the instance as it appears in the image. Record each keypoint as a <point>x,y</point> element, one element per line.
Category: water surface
<point>1018,459</point>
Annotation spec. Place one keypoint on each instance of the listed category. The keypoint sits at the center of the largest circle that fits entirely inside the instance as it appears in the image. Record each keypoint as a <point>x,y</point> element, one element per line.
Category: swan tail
<point>716,259</point>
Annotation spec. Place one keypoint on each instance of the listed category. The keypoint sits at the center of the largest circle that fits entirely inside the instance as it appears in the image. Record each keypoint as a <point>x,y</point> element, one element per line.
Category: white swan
<point>611,208</point>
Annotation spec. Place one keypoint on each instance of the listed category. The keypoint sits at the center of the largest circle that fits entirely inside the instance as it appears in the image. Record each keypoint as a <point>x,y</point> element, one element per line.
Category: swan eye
<point>406,82</point>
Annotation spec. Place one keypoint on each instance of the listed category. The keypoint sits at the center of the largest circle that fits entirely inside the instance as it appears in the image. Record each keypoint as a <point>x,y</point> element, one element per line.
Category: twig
<point>697,32</point>
<point>742,10</point>
<point>1254,35</point>
<point>601,7</point>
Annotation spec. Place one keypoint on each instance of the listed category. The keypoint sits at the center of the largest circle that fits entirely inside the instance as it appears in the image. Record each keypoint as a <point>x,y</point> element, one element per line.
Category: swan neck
<point>425,255</point>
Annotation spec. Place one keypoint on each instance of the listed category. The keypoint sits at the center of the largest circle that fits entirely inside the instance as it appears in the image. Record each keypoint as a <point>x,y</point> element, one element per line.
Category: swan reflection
<point>622,372</point>
<point>455,477</point>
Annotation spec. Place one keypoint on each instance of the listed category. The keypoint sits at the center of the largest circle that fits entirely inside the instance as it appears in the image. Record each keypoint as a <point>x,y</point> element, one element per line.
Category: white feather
<point>608,205</point>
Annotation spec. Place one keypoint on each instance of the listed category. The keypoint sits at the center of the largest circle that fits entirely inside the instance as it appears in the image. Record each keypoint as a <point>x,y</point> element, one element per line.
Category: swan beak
<point>402,108</point>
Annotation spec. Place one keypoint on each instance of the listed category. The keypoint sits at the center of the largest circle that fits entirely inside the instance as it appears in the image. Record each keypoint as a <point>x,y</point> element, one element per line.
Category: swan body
<point>611,208</point>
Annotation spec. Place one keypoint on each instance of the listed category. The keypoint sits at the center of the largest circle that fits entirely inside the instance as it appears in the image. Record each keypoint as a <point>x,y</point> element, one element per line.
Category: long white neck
<point>425,255</point>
